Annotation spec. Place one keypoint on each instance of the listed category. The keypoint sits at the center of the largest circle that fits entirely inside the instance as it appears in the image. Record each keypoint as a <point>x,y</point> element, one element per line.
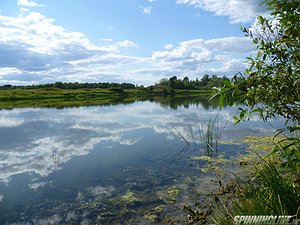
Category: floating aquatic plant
<point>130,197</point>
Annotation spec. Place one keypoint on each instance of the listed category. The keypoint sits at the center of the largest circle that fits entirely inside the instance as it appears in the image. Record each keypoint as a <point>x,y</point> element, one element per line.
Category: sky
<point>136,41</point>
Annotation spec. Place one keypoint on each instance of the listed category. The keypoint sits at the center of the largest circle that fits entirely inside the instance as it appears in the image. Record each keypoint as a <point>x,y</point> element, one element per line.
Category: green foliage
<point>268,193</point>
<point>70,86</point>
<point>117,90</point>
<point>289,148</point>
<point>271,85</point>
<point>206,83</point>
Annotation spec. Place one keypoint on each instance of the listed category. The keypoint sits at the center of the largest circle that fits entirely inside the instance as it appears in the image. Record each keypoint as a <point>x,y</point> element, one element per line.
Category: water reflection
<point>75,164</point>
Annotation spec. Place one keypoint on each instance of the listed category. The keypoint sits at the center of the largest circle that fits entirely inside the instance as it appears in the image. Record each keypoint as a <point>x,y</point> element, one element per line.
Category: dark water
<point>114,164</point>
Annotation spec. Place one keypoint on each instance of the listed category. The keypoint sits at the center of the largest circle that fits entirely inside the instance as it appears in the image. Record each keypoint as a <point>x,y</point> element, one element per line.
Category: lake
<point>114,164</point>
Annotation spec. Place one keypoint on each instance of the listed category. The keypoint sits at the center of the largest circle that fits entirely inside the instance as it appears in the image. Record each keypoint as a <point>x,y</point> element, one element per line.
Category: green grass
<point>53,97</point>
<point>270,192</point>
<point>193,92</point>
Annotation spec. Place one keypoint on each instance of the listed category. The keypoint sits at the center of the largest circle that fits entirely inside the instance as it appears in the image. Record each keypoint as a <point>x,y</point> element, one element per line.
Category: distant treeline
<point>205,83</point>
<point>71,86</point>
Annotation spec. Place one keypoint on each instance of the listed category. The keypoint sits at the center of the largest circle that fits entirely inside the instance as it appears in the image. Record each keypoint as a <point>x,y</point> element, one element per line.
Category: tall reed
<point>209,137</point>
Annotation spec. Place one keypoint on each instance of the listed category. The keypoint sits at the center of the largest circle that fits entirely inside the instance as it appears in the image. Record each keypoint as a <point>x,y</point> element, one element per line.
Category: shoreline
<point>60,98</point>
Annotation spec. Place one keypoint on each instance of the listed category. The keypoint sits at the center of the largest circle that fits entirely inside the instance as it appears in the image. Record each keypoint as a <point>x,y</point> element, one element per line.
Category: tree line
<point>205,83</point>
<point>71,86</point>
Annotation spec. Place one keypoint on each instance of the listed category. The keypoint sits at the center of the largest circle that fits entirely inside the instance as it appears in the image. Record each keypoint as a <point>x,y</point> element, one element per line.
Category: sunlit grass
<point>269,192</point>
<point>54,97</point>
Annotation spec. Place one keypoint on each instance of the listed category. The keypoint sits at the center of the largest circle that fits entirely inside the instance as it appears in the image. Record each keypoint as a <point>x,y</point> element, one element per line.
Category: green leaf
<point>227,83</point>
<point>221,101</point>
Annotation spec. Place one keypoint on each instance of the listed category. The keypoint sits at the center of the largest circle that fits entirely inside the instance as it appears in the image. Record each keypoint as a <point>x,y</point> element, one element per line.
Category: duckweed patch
<point>261,143</point>
<point>211,164</point>
<point>170,194</point>
<point>130,197</point>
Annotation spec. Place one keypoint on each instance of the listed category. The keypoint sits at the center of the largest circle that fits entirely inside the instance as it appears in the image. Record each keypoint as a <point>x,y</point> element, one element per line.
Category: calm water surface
<point>115,164</point>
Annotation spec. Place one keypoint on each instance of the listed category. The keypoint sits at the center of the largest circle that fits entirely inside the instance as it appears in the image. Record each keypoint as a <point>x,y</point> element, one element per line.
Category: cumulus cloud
<point>147,10</point>
<point>33,42</point>
<point>106,39</point>
<point>27,3</point>
<point>123,44</point>
<point>200,49</point>
<point>194,54</point>
<point>168,46</point>
<point>32,45</point>
<point>236,10</point>
<point>33,49</point>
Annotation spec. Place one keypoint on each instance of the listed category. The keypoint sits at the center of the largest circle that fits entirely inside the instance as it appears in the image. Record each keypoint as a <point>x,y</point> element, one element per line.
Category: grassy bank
<point>54,97</point>
<point>259,182</point>
<point>269,184</point>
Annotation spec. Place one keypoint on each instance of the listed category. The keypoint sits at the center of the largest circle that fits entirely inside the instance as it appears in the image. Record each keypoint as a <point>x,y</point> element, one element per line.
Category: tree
<point>58,85</point>
<point>172,81</point>
<point>185,79</point>
<point>271,85</point>
<point>204,80</point>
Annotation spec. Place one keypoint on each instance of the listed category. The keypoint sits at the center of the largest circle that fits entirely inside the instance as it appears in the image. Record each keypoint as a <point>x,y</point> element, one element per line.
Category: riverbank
<point>54,97</point>
<point>263,184</point>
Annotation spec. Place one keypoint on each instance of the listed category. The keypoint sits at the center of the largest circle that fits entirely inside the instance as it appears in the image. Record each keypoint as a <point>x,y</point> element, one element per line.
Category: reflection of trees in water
<point>174,102</point>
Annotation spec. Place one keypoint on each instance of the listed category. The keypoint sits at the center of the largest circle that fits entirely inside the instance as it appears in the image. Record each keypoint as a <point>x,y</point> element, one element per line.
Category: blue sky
<point>137,41</point>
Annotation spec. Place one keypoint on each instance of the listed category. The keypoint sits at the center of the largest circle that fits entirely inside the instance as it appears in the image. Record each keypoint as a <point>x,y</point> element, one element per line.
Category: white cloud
<point>124,44</point>
<point>198,55</point>
<point>34,49</point>
<point>27,3</point>
<point>201,49</point>
<point>168,46</point>
<point>35,38</point>
<point>147,10</point>
<point>107,59</point>
<point>236,10</point>
<point>8,70</point>
<point>106,39</point>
